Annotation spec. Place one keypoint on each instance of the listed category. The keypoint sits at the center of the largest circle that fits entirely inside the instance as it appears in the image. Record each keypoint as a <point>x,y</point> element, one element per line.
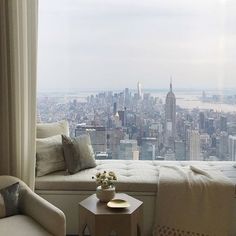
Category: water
<point>192,99</point>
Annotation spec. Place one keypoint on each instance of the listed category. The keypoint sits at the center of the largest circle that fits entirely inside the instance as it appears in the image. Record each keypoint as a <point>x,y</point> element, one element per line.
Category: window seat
<point>137,178</point>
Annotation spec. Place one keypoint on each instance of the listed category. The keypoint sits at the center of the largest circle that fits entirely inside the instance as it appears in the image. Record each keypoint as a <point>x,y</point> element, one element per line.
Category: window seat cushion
<point>133,176</point>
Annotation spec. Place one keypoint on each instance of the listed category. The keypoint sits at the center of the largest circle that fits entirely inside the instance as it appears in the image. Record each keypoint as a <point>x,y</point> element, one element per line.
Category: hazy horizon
<point>106,45</point>
<point>176,90</point>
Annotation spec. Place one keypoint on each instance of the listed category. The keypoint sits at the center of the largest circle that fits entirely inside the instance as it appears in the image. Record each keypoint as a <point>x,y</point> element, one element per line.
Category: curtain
<point>18,60</point>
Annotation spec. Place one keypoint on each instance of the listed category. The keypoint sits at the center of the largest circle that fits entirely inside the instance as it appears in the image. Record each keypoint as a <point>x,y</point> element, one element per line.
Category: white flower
<point>105,179</point>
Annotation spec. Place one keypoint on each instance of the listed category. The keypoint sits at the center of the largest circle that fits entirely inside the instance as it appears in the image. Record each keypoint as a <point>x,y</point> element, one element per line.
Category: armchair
<point>38,217</point>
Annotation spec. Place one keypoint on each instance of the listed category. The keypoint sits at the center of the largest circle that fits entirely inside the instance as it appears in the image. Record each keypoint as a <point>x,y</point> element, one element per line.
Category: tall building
<point>231,127</point>
<point>128,149</point>
<point>201,121</point>
<point>114,136</point>
<point>223,123</point>
<point>180,150</point>
<point>127,97</point>
<point>122,117</point>
<point>205,141</point>
<point>232,148</point>
<point>148,148</point>
<point>139,88</point>
<point>114,108</point>
<point>98,136</point>
<point>115,118</point>
<point>194,145</point>
<point>170,117</point>
<point>210,126</point>
<point>222,147</point>
<point>116,122</point>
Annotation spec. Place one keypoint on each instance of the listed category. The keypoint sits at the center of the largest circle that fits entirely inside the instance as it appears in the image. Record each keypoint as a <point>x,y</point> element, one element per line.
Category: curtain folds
<point>18,62</point>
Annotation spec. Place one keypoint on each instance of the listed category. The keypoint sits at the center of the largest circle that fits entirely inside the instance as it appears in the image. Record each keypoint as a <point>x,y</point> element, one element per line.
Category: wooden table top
<point>100,208</point>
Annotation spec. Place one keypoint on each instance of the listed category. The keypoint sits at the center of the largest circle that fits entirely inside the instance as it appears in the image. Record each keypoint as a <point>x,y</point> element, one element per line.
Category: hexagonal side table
<point>102,220</point>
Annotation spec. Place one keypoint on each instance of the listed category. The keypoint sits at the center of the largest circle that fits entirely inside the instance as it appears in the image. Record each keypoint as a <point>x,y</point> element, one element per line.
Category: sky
<point>113,44</point>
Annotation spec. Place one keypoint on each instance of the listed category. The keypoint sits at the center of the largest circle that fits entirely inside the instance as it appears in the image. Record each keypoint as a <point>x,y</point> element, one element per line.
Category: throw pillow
<point>49,155</point>
<point>78,153</point>
<point>45,130</point>
<point>9,198</point>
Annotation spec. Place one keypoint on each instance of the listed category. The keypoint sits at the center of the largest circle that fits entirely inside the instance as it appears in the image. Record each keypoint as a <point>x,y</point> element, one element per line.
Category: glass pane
<point>148,80</point>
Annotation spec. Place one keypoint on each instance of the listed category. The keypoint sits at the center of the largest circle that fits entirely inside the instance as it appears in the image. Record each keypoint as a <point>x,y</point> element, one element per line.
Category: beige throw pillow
<point>78,153</point>
<point>49,155</point>
<point>45,130</point>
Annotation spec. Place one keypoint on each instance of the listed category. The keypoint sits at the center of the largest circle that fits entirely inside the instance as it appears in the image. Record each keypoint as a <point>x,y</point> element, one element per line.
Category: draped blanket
<point>193,202</point>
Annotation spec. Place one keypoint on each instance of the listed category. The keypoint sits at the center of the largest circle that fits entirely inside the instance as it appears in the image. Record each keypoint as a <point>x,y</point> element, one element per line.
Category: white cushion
<point>132,176</point>
<point>49,155</point>
<point>45,130</point>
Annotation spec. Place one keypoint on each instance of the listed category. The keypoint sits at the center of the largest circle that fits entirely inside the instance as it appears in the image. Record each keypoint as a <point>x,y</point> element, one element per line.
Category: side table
<point>102,220</point>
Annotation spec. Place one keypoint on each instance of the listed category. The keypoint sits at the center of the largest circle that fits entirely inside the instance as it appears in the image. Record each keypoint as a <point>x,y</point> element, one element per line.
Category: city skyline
<point>221,101</point>
<point>111,45</point>
<point>139,126</point>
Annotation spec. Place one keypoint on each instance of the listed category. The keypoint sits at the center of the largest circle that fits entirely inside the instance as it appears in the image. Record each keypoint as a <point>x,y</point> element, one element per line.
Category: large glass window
<point>148,80</point>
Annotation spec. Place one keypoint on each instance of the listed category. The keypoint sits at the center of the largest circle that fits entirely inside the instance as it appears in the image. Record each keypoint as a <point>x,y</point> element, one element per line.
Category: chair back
<point>7,180</point>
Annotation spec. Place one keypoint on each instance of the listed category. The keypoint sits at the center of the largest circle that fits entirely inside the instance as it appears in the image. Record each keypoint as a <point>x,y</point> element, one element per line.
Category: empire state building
<point>170,117</point>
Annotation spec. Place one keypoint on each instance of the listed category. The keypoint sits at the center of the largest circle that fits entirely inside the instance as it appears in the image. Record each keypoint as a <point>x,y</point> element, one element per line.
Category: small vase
<point>106,194</point>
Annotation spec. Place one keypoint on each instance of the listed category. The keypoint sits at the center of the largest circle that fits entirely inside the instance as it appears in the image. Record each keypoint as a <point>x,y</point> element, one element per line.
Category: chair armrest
<point>47,215</point>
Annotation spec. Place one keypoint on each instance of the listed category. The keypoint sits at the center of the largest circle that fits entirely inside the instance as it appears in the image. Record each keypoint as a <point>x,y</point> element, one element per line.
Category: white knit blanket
<point>193,202</point>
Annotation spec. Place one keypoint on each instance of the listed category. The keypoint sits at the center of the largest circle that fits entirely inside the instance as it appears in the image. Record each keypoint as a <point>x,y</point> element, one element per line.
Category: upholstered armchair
<point>37,216</point>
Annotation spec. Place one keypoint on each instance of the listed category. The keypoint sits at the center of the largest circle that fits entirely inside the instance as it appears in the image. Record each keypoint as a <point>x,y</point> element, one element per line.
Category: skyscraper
<point>128,149</point>
<point>170,116</point>
<point>148,148</point>
<point>98,136</point>
<point>194,145</point>
<point>232,148</point>
<point>139,87</point>
<point>180,150</point>
<point>114,108</point>
<point>223,146</point>
<point>127,97</point>
<point>223,123</point>
<point>202,121</point>
<point>210,126</point>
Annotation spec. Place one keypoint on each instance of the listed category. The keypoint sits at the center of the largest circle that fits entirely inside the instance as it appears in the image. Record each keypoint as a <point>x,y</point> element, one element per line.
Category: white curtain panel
<point>18,61</point>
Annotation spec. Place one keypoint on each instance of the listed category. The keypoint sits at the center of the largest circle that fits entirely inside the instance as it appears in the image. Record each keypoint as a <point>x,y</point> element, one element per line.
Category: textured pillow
<point>49,155</point>
<point>78,153</point>
<point>9,198</point>
<point>45,130</point>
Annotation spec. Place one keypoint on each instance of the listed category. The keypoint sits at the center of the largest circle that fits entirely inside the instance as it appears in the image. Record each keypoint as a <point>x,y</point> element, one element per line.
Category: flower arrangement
<point>105,179</point>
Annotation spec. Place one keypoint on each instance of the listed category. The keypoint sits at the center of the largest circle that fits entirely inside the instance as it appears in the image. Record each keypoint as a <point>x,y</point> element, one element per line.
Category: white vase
<point>106,194</point>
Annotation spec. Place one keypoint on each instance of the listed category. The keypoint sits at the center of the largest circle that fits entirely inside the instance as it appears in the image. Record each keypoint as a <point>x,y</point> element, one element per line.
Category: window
<point>148,80</point>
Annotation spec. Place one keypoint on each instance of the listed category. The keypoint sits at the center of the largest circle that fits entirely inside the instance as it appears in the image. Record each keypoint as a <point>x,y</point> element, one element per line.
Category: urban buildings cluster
<point>136,125</point>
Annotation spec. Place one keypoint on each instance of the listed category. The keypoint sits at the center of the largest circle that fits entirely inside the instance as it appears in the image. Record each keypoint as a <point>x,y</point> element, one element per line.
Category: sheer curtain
<point>18,54</point>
